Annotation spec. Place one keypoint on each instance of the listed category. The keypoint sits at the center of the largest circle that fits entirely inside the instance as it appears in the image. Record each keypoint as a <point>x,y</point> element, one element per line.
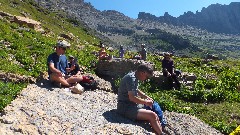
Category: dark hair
<point>145,68</point>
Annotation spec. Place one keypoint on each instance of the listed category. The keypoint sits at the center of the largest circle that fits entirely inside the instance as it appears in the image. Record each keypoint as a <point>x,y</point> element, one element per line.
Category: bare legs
<point>66,81</point>
<point>152,117</point>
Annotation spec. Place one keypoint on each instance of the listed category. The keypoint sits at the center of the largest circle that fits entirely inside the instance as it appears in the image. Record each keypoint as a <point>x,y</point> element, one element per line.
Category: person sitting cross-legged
<point>58,69</point>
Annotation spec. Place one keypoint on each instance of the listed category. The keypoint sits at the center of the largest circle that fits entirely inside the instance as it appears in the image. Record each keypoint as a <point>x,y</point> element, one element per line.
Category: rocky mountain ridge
<point>168,35</point>
<point>215,18</point>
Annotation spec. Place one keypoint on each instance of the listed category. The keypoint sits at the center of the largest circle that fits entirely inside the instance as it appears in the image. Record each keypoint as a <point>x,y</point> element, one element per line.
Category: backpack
<point>88,83</point>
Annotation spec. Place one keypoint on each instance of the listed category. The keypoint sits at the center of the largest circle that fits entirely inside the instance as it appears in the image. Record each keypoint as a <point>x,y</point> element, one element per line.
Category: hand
<point>149,103</point>
<point>168,74</point>
<point>59,73</point>
<point>68,69</point>
<point>148,98</point>
<point>73,67</point>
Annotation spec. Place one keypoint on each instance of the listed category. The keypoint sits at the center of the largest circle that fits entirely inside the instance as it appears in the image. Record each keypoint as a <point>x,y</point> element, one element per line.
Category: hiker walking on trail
<point>58,69</point>
<point>130,98</point>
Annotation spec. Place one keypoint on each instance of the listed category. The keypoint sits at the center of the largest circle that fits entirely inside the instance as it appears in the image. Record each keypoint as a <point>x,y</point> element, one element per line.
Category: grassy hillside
<point>24,51</point>
<point>215,98</point>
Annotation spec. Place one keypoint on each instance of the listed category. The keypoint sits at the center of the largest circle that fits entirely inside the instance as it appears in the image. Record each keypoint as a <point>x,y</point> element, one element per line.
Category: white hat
<point>63,44</point>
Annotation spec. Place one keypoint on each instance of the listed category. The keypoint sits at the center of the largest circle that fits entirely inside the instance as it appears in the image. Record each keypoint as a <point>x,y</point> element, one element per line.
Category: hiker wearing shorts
<point>130,98</point>
<point>57,64</point>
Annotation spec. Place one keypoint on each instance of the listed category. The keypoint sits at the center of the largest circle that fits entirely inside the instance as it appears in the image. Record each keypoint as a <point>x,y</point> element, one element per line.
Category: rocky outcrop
<point>117,68</point>
<point>29,22</point>
<point>42,109</point>
<point>11,77</point>
<point>23,21</point>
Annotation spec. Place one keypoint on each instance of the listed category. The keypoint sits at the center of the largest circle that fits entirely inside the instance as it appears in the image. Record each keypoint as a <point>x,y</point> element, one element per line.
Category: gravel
<point>41,109</point>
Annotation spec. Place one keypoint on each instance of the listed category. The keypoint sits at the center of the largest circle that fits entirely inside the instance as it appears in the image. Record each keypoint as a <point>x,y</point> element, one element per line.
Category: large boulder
<point>117,67</point>
<point>29,22</point>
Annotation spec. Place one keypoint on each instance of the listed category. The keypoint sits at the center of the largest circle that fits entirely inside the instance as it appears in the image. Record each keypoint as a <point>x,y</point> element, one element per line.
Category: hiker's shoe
<point>164,122</point>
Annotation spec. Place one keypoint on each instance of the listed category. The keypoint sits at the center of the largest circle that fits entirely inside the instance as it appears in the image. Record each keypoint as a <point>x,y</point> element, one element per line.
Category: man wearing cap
<point>130,97</point>
<point>169,70</point>
<point>58,66</point>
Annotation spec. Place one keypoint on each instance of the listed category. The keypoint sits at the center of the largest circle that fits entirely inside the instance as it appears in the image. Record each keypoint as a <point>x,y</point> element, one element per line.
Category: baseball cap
<point>63,44</point>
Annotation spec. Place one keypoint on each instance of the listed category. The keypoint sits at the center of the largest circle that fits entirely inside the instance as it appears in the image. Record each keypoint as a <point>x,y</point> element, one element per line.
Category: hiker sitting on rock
<point>103,54</point>
<point>169,71</point>
<point>130,98</point>
<point>58,66</point>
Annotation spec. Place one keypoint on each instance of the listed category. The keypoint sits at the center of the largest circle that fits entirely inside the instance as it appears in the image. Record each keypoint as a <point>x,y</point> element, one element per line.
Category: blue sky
<point>175,8</point>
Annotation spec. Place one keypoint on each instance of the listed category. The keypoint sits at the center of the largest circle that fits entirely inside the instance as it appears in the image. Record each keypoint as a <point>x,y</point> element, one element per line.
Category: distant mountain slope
<point>186,39</point>
<point>215,18</point>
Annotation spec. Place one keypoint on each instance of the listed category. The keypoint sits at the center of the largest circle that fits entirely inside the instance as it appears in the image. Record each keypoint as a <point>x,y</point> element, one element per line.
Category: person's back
<point>127,82</point>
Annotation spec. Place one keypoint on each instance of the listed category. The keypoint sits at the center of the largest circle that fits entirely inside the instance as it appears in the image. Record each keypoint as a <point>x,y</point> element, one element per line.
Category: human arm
<point>139,100</point>
<point>143,95</point>
<point>54,70</point>
<point>172,66</point>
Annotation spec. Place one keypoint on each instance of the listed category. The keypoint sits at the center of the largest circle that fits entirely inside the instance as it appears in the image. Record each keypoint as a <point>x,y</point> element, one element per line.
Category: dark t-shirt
<point>128,83</point>
<point>60,62</point>
<point>168,64</point>
<point>74,71</point>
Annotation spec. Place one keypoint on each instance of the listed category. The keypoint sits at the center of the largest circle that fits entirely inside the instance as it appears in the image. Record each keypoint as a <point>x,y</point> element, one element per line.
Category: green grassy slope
<point>24,51</point>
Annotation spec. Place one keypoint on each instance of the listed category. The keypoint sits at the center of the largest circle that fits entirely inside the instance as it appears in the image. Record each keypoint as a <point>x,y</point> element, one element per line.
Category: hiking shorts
<point>128,110</point>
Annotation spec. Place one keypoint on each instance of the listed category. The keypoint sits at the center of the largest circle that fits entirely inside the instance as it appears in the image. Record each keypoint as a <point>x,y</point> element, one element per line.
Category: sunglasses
<point>63,48</point>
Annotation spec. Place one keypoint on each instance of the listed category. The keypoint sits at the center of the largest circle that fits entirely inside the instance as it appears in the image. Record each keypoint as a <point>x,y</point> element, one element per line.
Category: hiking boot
<point>164,122</point>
